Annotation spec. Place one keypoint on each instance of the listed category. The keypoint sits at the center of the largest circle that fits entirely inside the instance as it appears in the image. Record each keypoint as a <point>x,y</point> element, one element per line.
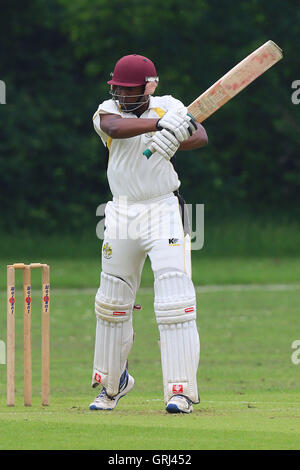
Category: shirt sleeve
<point>107,107</point>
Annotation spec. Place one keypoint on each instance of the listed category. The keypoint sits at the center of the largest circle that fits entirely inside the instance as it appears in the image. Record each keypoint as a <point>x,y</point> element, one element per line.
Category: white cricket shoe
<point>105,402</point>
<point>179,404</point>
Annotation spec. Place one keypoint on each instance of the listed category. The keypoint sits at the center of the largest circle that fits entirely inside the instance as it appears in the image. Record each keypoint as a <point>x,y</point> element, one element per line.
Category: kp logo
<point>173,242</point>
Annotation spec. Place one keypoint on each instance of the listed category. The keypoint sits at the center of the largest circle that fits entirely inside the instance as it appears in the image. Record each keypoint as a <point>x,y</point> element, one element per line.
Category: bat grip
<point>148,152</point>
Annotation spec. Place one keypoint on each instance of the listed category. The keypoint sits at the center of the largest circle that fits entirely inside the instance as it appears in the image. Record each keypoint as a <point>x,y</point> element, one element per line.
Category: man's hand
<point>179,122</point>
<point>165,144</point>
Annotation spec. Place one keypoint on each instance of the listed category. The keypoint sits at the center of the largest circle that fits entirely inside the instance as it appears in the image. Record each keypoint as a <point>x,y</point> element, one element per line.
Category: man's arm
<point>118,128</point>
<point>197,140</point>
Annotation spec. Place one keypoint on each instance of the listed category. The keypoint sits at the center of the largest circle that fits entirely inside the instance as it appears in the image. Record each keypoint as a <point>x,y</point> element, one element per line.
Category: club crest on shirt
<point>107,251</point>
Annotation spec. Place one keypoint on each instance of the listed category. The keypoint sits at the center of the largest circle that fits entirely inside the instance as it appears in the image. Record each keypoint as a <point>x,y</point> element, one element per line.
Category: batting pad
<point>175,309</point>
<point>114,333</point>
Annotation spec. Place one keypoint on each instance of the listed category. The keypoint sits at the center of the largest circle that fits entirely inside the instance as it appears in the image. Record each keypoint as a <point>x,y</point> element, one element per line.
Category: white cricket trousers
<point>135,230</point>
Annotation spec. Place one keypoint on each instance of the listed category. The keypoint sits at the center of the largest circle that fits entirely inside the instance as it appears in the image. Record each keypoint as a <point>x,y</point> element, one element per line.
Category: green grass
<point>143,426</point>
<point>248,385</point>
<point>84,273</point>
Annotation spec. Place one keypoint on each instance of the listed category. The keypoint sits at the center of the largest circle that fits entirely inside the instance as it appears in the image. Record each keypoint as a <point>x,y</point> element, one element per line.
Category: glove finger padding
<point>166,137</point>
<point>172,119</point>
<point>180,122</point>
<point>166,154</point>
<point>165,143</point>
<point>182,132</point>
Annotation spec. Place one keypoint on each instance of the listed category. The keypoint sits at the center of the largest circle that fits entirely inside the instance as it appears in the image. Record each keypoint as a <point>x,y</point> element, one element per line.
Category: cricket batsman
<point>146,217</point>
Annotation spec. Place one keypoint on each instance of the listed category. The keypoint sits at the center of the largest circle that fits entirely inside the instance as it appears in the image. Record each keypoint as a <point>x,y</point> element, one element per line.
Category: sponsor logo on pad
<point>97,378</point>
<point>189,309</point>
<point>177,388</point>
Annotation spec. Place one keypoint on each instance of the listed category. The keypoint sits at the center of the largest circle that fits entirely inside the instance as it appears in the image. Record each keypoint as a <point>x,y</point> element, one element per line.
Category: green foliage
<point>56,57</point>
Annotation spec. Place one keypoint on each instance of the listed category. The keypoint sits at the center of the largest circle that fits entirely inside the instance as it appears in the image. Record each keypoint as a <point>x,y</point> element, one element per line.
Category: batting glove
<point>172,119</point>
<point>179,122</point>
<point>185,131</point>
<point>165,143</point>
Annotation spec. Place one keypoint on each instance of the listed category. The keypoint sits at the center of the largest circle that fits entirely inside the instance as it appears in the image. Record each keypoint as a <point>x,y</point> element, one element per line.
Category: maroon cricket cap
<point>132,70</point>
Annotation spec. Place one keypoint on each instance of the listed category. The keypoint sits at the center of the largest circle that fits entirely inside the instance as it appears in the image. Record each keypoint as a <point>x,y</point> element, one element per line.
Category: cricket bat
<point>232,83</point>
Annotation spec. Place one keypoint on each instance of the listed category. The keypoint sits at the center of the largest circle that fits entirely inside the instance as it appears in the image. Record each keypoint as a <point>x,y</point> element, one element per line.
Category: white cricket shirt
<point>129,172</point>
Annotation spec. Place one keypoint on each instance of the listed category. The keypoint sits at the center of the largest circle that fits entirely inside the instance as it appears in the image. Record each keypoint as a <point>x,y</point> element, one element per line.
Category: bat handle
<point>148,152</point>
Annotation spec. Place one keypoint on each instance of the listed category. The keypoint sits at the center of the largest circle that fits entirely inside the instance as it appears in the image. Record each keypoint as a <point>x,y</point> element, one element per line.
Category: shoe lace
<point>103,394</point>
<point>122,385</point>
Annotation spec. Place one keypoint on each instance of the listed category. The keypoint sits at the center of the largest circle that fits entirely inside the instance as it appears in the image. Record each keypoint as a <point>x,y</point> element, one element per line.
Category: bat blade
<point>235,80</point>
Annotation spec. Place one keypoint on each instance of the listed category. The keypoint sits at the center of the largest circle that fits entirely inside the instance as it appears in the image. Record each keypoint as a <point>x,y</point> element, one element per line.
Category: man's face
<point>128,97</point>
